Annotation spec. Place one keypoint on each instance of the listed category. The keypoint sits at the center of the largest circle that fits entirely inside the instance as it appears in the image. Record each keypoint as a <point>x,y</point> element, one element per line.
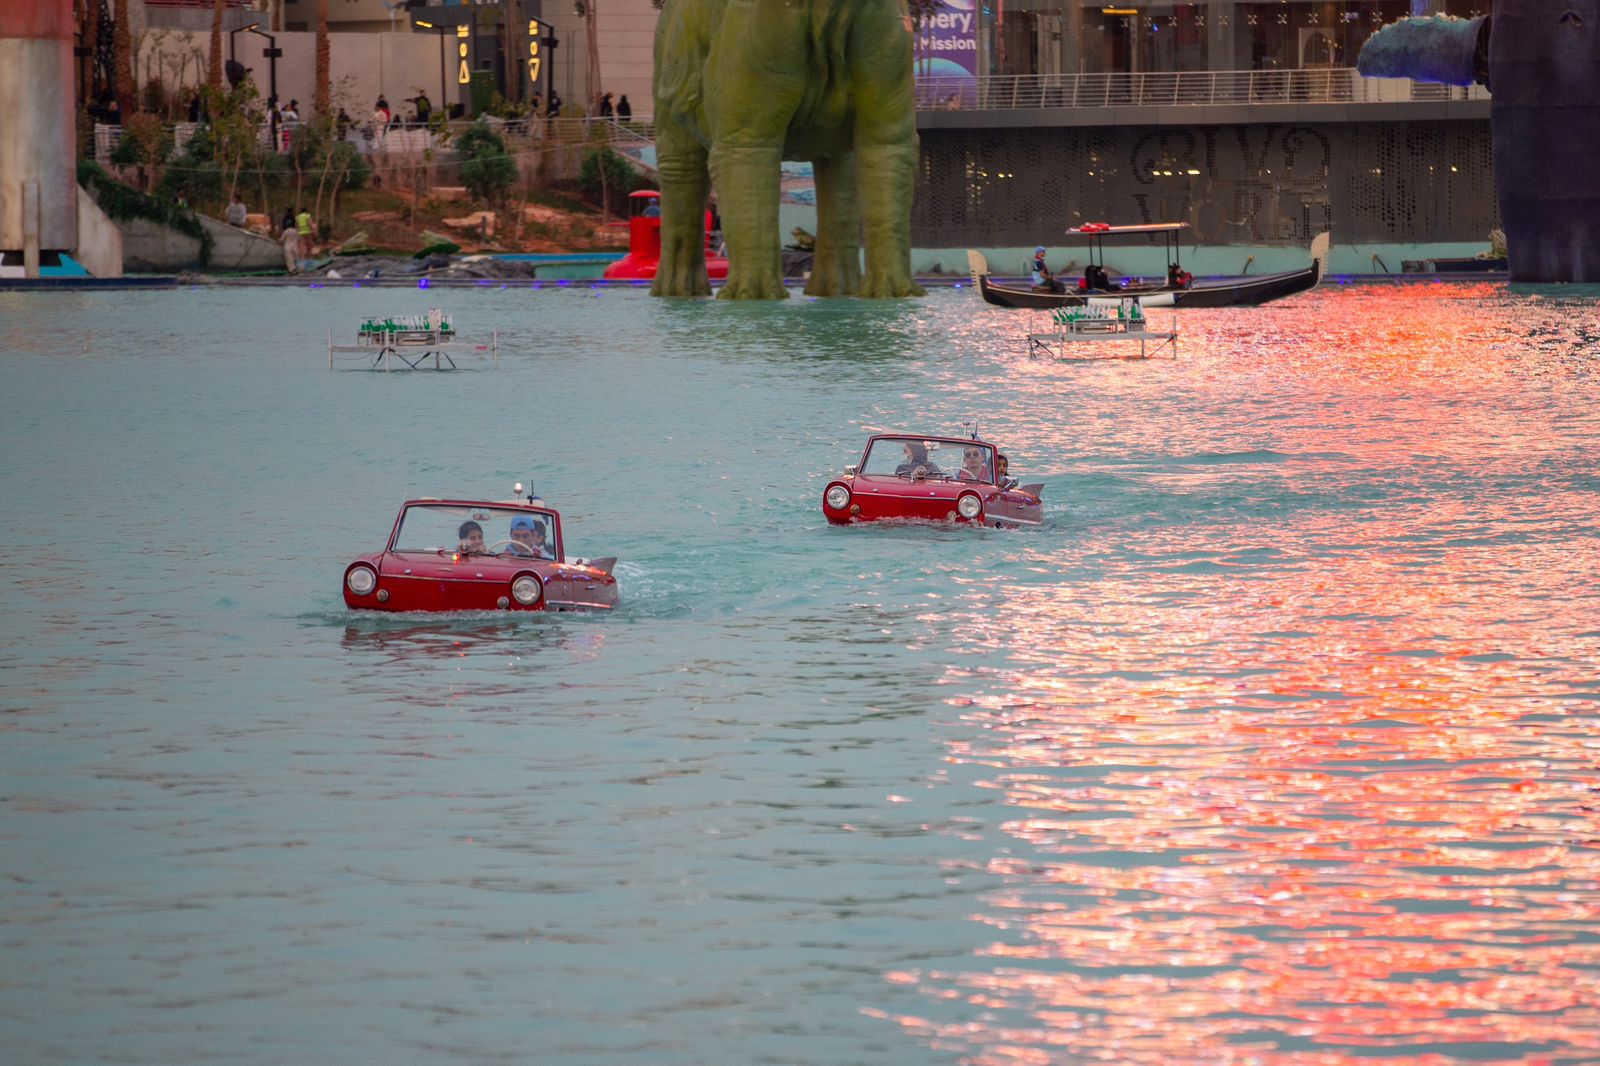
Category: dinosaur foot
<point>749,287</point>
<point>681,283</point>
<point>891,288</point>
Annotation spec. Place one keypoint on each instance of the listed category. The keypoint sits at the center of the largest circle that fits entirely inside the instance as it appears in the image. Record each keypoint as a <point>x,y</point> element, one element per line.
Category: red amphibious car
<point>472,555</point>
<point>937,479</point>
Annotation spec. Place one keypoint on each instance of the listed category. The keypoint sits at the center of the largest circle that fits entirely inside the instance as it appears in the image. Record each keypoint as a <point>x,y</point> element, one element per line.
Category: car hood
<point>466,567</point>
<point>927,489</point>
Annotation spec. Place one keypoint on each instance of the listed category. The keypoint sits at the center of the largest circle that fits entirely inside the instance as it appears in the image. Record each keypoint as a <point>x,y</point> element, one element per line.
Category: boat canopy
<point>1096,232</point>
<point>1101,230</point>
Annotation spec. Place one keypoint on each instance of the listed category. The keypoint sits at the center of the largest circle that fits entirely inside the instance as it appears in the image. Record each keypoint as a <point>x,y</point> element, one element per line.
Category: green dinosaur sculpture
<point>740,86</point>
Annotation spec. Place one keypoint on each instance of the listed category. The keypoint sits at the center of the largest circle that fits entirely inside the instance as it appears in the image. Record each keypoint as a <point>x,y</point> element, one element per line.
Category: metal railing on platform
<point>1007,92</point>
<point>1182,88</point>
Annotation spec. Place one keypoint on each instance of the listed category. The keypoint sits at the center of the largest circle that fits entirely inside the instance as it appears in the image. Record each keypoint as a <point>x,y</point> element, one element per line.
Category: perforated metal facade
<point>1390,182</point>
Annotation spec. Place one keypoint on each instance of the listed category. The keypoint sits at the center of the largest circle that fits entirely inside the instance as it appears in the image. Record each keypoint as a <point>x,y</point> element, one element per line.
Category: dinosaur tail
<point>1438,48</point>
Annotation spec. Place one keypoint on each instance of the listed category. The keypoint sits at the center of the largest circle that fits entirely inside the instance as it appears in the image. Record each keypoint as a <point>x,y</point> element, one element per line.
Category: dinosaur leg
<point>886,145</point>
<point>756,75</point>
<point>685,182</point>
<point>888,172</point>
<point>836,267</point>
<point>749,180</point>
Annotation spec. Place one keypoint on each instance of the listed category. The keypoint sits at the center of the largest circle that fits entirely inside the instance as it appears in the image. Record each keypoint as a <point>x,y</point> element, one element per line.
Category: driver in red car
<point>973,466</point>
<point>527,538</point>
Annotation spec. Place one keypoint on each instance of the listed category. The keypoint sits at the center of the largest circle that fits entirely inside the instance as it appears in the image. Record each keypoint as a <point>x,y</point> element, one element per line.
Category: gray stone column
<point>1072,38</point>
<point>38,183</point>
<point>1220,15</point>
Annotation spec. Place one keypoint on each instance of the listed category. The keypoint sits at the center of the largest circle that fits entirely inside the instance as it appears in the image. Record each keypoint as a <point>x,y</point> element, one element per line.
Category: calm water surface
<point>1279,743</point>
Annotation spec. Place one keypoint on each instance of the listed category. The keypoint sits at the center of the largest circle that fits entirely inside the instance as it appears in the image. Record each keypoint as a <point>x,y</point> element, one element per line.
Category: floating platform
<point>413,342</point>
<point>1101,323</point>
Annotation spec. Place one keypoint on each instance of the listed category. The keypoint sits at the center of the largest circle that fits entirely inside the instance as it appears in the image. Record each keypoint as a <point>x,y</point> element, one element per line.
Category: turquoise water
<point>1277,744</point>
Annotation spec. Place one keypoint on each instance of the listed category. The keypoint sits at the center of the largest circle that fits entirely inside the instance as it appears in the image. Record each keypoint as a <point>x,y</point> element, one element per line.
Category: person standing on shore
<point>238,214</point>
<point>291,249</point>
<point>306,230</point>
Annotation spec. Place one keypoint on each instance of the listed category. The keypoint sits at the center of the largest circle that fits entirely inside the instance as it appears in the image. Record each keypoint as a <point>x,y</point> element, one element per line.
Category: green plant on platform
<point>615,183</point>
<point>146,144</point>
<point>194,175</point>
<point>323,164</point>
<point>123,203</point>
<point>439,126</point>
<point>500,107</point>
<point>235,142</point>
<point>486,169</point>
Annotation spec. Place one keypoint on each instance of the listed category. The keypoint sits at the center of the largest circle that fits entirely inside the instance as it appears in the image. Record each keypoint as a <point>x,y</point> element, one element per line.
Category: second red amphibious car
<point>936,479</point>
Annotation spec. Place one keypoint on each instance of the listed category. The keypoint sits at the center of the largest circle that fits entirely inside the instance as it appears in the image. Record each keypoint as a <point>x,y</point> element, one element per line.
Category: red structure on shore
<point>644,242</point>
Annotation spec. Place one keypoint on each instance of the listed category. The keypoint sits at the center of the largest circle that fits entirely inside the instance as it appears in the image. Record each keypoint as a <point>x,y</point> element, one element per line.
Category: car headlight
<point>527,589</point>
<point>361,580</point>
<point>969,506</point>
<point>837,497</point>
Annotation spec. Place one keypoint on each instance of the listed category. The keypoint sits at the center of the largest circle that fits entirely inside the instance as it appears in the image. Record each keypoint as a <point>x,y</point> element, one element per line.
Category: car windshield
<point>478,529</point>
<point>941,460</point>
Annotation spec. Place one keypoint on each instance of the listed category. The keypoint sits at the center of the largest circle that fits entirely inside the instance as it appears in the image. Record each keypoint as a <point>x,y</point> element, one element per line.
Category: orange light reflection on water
<point>1316,788</point>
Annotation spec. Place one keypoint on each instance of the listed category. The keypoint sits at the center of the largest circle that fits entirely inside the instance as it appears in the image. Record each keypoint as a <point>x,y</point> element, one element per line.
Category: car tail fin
<point>1034,490</point>
<point>605,565</point>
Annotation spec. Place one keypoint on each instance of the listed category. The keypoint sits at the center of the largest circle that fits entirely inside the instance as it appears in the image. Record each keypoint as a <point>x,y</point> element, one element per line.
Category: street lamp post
<point>444,99</point>
<point>233,50</point>
<point>271,52</point>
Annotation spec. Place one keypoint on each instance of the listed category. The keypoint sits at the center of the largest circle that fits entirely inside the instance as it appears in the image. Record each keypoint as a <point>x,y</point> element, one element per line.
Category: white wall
<point>363,65</point>
<point>398,64</point>
<point>627,32</point>
<point>371,15</point>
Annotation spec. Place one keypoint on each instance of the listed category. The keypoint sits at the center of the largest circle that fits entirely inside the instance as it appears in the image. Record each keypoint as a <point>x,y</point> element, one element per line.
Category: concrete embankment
<point>151,248</point>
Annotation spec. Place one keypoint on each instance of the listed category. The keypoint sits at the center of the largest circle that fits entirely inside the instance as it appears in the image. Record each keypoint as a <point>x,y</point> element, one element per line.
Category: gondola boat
<point>1236,291</point>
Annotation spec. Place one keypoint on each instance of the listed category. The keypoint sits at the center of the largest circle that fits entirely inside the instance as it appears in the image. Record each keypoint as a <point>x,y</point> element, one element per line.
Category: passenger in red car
<point>471,535</point>
<point>917,464</point>
<point>527,538</point>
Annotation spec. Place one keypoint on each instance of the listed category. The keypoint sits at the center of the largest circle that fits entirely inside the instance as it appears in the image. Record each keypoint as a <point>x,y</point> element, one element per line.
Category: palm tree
<point>323,103</point>
<point>214,74</point>
<point>122,50</point>
<point>589,18</point>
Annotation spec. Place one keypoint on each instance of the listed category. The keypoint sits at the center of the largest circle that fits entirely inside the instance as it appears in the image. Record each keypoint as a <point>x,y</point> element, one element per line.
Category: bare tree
<point>88,33</point>
<point>89,38</point>
<point>214,72</point>
<point>321,103</point>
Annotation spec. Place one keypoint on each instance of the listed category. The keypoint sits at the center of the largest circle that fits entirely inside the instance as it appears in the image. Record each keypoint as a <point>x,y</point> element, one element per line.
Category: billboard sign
<point>947,53</point>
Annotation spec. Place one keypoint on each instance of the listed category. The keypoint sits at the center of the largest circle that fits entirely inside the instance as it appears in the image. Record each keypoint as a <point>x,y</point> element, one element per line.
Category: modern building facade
<point>622,52</point>
<point>1246,120</point>
<point>1127,36</point>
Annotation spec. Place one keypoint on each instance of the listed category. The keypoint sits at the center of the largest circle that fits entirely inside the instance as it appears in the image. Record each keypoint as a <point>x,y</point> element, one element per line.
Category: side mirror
<point>1009,483</point>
